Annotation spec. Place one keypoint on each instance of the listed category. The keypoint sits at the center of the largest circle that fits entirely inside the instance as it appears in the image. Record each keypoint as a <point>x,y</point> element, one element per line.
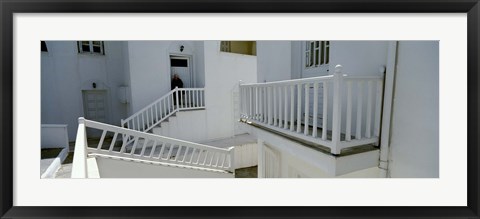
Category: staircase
<point>152,115</point>
<point>120,151</point>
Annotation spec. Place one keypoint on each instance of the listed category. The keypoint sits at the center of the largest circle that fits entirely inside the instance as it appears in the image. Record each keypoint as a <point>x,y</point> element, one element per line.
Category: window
<point>240,47</point>
<point>93,47</point>
<point>44,46</point>
<point>225,46</point>
<point>317,53</point>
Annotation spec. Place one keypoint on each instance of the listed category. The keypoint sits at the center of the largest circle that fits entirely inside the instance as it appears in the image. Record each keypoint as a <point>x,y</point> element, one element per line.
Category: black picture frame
<point>9,7</point>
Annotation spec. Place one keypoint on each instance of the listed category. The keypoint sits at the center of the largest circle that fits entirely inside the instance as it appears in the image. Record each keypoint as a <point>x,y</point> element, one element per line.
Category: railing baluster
<point>270,103</point>
<point>101,139</point>
<point>200,152</point>
<point>153,148</point>
<point>164,108</point>
<point>358,134</point>
<point>178,152</point>
<point>325,111</point>
<point>265,105</point>
<point>315,109</point>
<point>250,112</point>
<point>292,106</point>
<point>307,113</point>
<point>218,158</point>
<point>170,151</point>
<point>280,108</point>
<point>193,154</point>
<point>161,151</point>
<point>147,121</point>
<point>256,104</point>
<point>274,117</point>
<point>224,157</point>
<point>112,144</point>
<point>378,108</point>
<point>299,108</point>
<point>348,131</point>
<point>211,159</point>
<point>156,111</point>
<point>185,154</point>
<point>135,142</point>
<point>205,159</point>
<point>144,147</point>
<point>285,107</point>
<point>368,132</point>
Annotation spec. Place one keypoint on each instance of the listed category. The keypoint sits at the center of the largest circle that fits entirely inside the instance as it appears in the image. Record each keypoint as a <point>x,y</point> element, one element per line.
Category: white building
<point>381,107</point>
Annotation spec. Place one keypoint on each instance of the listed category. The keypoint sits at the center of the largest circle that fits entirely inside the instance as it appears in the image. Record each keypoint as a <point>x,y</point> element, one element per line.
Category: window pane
<point>178,63</point>
<point>316,57</point>
<point>96,43</point>
<point>97,49</point>
<point>322,53</point>
<point>316,44</point>
<point>86,46</point>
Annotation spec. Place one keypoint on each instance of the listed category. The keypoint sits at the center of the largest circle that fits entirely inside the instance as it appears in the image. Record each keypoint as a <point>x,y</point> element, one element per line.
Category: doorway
<point>182,66</point>
<point>95,108</point>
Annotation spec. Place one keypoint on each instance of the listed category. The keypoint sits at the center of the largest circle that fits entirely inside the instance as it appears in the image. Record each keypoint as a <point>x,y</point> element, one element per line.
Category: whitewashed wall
<point>414,141</point>
<point>358,57</point>
<point>112,168</point>
<point>223,71</point>
<point>65,72</point>
<point>149,68</point>
<point>54,136</point>
<point>274,60</point>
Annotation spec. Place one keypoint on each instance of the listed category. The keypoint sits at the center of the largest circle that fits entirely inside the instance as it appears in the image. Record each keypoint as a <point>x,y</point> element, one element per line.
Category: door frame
<point>189,59</point>
<point>107,103</point>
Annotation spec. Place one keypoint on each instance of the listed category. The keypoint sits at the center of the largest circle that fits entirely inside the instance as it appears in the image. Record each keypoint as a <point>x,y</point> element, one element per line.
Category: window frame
<point>316,53</point>
<point>91,45</point>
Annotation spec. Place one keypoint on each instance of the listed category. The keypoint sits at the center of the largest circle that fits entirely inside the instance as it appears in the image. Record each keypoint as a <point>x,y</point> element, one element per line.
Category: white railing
<point>145,146</point>
<point>79,166</point>
<point>329,110</point>
<point>176,100</point>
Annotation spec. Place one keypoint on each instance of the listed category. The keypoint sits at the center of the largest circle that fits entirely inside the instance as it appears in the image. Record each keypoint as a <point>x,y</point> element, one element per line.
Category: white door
<point>95,107</point>
<point>181,66</point>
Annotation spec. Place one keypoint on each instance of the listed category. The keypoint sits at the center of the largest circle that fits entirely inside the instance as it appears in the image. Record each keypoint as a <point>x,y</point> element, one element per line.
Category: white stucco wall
<point>114,168</point>
<point>149,67</point>
<point>358,57</point>
<point>223,71</point>
<point>274,60</point>
<point>414,141</point>
<point>65,72</point>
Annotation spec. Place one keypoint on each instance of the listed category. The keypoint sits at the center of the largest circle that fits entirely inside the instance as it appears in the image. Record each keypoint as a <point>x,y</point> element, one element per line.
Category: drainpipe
<point>389,87</point>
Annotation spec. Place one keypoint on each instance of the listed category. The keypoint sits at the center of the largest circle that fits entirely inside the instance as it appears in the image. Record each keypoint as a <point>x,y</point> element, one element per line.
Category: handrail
<point>79,166</point>
<point>293,81</point>
<point>154,113</point>
<point>311,108</point>
<point>150,147</point>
